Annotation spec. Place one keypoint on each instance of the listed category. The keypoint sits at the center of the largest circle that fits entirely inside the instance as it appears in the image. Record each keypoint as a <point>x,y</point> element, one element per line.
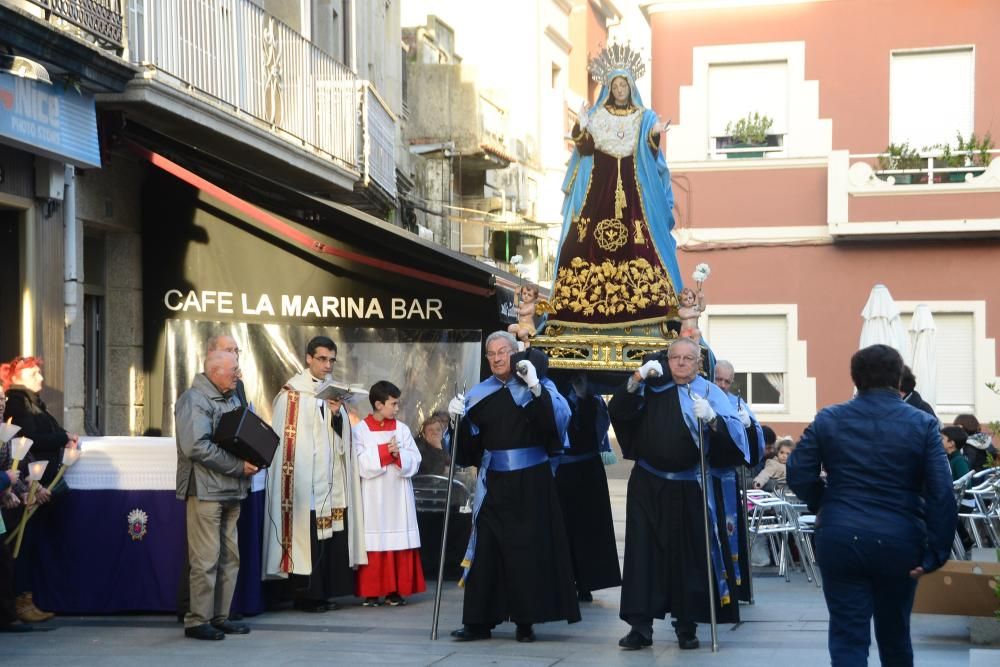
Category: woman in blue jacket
<point>886,513</point>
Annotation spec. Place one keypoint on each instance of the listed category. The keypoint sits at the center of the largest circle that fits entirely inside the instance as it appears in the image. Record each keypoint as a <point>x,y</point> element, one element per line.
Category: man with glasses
<point>314,531</point>
<point>212,482</point>
<point>518,562</point>
<point>657,419</point>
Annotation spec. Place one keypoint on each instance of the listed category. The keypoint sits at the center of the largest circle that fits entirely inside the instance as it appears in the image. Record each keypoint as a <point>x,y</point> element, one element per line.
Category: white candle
<point>36,470</point>
<point>8,431</point>
<point>70,456</point>
<point>21,447</point>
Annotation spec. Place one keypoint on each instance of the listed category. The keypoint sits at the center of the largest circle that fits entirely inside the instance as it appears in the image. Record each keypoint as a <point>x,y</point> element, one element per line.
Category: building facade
<point>859,180</point>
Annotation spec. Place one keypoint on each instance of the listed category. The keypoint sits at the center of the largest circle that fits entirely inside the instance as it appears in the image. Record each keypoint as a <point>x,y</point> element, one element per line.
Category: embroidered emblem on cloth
<point>137,522</point>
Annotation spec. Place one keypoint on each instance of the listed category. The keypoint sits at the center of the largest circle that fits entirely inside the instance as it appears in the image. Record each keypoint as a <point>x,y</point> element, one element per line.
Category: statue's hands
<point>584,115</point>
<point>661,126</point>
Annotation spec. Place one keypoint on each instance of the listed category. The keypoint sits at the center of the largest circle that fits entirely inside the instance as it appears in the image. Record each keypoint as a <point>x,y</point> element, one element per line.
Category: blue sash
<point>727,476</point>
<point>694,475</point>
<point>500,460</point>
<point>738,403</point>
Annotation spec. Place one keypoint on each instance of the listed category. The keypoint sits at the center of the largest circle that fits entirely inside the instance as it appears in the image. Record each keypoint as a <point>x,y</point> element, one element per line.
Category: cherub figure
<point>692,305</point>
<point>526,311</point>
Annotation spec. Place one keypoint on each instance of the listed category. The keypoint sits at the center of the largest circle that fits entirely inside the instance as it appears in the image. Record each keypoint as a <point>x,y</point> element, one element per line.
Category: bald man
<point>212,482</point>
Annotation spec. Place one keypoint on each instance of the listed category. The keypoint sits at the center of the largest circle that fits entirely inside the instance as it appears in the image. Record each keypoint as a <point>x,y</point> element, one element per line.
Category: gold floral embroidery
<point>611,234</point>
<point>581,229</point>
<point>610,288</point>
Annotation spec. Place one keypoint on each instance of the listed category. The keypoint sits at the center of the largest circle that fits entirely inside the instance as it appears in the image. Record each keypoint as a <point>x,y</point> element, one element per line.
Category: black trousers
<point>7,594</point>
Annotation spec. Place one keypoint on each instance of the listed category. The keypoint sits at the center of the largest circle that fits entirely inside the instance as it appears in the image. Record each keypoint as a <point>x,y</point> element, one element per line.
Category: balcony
<point>377,156</point>
<point>95,21</point>
<point>927,200</point>
<point>227,65</point>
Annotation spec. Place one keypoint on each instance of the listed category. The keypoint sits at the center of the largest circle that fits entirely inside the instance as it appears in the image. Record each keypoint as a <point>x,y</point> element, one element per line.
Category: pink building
<point>799,228</point>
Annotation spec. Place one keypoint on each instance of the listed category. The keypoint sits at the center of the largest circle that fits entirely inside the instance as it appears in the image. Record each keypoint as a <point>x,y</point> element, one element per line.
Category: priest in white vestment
<point>314,529</point>
<point>388,458</point>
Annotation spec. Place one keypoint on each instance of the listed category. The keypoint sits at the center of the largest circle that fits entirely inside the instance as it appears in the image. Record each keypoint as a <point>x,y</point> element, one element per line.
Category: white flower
<point>701,272</point>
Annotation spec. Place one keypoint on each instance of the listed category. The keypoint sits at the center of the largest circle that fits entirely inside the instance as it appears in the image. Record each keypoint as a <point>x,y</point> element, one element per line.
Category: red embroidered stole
<point>288,481</point>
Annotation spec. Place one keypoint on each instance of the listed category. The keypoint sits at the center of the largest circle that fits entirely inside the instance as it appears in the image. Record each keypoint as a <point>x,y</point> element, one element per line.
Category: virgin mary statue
<point>617,264</point>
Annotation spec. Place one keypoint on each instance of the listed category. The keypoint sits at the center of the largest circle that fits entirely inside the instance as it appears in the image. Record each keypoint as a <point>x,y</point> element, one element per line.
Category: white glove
<point>456,408</point>
<point>744,417</point>
<point>651,368</point>
<point>526,371</point>
<point>609,458</point>
<point>702,410</point>
<point>584,116</point>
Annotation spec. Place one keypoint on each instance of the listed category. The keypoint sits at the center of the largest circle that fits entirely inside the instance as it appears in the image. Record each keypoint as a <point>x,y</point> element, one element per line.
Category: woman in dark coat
<point>22,381</point>
<point>879,527</point>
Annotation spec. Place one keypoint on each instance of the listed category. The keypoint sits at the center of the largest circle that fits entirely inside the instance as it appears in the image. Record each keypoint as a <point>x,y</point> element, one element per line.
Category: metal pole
<point>709,523</point>
<point>444,532</point>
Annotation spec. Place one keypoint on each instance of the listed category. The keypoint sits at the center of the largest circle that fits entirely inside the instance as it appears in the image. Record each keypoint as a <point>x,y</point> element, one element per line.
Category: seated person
<point>430,441</point>
<point>774,469</point>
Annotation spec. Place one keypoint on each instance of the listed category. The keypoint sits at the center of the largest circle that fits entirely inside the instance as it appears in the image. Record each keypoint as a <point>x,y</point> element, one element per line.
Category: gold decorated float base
<point>571,348</point>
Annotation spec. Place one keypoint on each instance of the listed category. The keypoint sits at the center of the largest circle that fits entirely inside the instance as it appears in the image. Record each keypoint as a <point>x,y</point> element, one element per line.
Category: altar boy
<point>387,459</point>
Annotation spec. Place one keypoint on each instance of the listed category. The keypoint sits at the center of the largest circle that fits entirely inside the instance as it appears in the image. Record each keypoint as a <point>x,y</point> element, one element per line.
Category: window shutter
<point>738,89</point>
<point>931,96</point>
<point>955,356</point>
<point>753,343</point>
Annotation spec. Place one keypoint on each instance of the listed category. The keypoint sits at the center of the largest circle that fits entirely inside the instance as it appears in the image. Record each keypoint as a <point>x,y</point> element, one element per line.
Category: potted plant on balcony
<point>973,154</point>
<point>748,132</point>
<point>900,156</point>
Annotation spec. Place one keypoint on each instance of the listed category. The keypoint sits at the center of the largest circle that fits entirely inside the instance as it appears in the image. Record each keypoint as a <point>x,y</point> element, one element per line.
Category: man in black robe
<point>656,420</point>
<point>583,493</point>
<point>518,561</point>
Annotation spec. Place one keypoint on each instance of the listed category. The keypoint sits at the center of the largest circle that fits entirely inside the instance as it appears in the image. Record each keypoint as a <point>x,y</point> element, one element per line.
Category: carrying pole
<point>444,530</point>
<point>706,480</point>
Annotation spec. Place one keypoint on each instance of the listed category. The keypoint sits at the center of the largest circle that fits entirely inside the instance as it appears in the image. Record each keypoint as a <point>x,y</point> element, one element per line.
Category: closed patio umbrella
<point>922,361</point>
<point>881,323</point>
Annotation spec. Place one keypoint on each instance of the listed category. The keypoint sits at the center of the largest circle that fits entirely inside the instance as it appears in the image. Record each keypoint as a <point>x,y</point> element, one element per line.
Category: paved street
<point>787,625</point>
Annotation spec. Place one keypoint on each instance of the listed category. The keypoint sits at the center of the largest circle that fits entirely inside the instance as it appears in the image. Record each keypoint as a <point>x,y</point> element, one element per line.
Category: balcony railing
<point>97,21</point>
<point>236,54</point>
<point>928,168</point>
<point>378,140</point>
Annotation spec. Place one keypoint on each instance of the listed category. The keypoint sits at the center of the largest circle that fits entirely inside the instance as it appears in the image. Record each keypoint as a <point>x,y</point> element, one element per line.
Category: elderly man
<point>879,526</point>
<point>212,482</point>
<point>728,484</point>
<point>317,534</point>
<point>518,560</point>
<point>657,420</point>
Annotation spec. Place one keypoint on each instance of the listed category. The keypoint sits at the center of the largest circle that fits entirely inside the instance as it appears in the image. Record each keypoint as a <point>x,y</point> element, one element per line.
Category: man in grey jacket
<point>212,482</point>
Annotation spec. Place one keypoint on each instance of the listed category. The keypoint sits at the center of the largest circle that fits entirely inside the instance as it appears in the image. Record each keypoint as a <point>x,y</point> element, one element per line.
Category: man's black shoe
<point>688,642</point>
<point>231,628</point>
<point>204,631</point>
<point>524,634</point>
<point>634,641</point>
<point>236,617</point>
<point>465,634</point>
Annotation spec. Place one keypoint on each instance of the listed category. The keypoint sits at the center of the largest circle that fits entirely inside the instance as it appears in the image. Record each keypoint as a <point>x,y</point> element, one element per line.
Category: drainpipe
<point>70,245</point>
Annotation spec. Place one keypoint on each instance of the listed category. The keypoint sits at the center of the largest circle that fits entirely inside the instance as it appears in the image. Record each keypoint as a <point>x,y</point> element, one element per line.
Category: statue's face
<point>620,90</point>
<point>687,297</point>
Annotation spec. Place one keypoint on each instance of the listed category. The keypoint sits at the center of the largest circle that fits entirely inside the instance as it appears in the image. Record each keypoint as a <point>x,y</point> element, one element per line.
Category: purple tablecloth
<point>88,562</point>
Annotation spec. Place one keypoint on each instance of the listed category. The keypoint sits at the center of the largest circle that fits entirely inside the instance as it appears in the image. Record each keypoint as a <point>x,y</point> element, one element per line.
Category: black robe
<point>521,570</point>
<point>586,502</point>
<point>665,567</point>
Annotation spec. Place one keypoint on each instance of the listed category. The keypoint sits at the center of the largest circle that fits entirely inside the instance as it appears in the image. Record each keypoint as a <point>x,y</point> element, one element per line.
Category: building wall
<point>766,226</point>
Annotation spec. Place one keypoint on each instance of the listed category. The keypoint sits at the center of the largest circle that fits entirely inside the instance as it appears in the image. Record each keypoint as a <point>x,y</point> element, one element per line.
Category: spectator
<point>878,527</point>
<point>9,621</point>
<point>22,381</point>
<point>774,468</point>
<point>212,482</point>
<point>953,438</point>
<point>979,444</point>
<point>908,390</point>
<point>434,460</point>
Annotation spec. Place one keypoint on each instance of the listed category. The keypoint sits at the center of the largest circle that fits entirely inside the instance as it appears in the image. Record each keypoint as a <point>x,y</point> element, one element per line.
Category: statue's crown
<point>616,57</point>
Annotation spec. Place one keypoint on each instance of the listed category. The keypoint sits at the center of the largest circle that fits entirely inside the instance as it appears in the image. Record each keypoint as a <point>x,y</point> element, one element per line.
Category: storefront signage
<point>52,120</point>
<point>302,306</point>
